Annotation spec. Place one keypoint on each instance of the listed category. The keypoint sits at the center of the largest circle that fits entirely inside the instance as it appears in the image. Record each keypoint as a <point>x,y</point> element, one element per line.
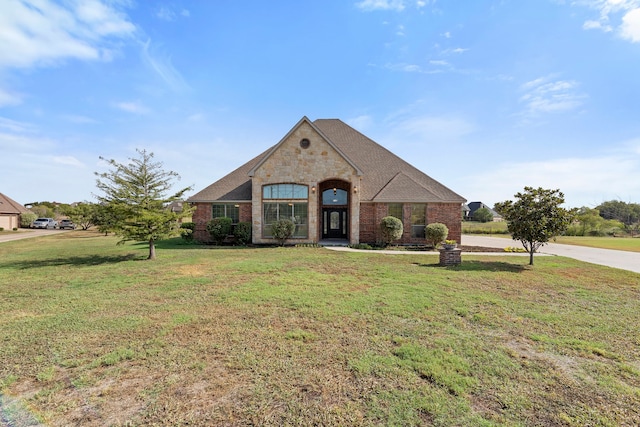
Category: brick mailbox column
<point>450,256</point>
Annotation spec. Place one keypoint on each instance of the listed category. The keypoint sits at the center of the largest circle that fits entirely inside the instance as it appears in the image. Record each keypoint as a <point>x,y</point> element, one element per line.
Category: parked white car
<point>44,223</point>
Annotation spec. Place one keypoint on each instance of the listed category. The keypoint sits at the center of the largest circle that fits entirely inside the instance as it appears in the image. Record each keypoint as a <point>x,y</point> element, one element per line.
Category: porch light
<point>313,189</point>
<point>355,189</point>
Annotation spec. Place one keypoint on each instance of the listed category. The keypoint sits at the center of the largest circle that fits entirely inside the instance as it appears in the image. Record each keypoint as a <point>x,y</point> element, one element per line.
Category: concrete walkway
<point>617,259</point>
<point>611,258</point>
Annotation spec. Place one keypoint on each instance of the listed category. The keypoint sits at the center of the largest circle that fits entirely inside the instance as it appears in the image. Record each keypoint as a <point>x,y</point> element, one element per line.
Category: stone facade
<point>311,166</point>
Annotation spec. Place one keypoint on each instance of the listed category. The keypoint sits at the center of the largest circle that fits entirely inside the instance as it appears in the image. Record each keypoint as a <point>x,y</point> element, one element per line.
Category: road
<point>617,259</point>
<point>27,233</point>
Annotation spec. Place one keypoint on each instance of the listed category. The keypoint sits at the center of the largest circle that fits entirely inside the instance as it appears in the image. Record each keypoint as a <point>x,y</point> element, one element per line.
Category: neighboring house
<point>335,183</point>
<point>10,211</point>
<point>474,206</point>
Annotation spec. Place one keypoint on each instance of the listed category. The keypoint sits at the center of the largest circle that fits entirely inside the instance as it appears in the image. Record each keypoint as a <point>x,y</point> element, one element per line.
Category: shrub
<point>243,233</point>
<point>15,228</point>
<point>26,218</point>
<point>483,215</point>
<point>436,233</point>
<point>186,231</point>
<point>391,228</point>
<point>282,230</point>
<point>1,228</point>
<point>219,229</point>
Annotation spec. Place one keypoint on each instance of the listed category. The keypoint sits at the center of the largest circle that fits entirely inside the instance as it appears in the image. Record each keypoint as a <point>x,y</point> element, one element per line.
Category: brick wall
<point>201,216</point>
<point>371,215</point>
<point>204,214</point>
<point>449,214</point>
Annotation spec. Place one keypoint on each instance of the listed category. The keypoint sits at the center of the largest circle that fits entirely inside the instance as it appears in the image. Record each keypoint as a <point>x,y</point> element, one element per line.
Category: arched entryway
<point>334,210</point>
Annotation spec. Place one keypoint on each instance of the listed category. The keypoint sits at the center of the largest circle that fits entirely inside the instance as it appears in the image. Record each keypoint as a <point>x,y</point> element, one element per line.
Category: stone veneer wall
<point>292,164</point>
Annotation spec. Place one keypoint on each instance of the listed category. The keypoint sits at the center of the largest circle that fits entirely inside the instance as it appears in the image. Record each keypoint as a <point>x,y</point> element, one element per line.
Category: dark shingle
<point>385,176</point>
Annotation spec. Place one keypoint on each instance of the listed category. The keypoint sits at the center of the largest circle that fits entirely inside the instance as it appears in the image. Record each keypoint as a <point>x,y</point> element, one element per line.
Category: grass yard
<point>93,335</point>
<point>490,228</point>
<point>631,244</point>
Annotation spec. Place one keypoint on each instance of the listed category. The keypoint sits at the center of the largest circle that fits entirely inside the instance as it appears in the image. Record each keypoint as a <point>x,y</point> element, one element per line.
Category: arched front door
<point>335,214</point>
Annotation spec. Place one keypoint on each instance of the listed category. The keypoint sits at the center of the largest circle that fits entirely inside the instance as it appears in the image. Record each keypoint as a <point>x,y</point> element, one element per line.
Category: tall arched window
<point>285,201</point>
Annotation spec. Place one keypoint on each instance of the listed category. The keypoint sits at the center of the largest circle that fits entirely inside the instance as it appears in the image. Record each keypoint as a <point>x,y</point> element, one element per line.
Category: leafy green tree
<point>627,213</point>
<point>26,218</point>
<point>436,233</point>
<point>483,215</point>
<point>136,196</point>
<point>590,223</point>
<point>391,229</point>
<point>282,230</point>
<point>536,217</point>
<point>83,214</point>
<point>219,228</point>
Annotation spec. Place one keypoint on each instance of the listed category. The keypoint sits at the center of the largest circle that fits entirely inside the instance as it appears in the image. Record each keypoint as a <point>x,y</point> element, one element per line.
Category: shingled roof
<point>10,206</point>
<point>386,177</point>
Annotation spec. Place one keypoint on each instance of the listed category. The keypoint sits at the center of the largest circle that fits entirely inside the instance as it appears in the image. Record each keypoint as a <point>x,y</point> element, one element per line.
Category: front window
<point>395,209</point>
<point>232,211</point>
<point>293,207</point>
<point>334,196</point>
<point>296,212</point>
<point>285,191</point>
<point>418,220</point>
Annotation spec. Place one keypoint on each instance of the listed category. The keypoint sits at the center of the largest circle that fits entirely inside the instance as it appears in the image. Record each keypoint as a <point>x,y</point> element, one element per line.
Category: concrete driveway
<point>27,233</point>
<point>617,259</point>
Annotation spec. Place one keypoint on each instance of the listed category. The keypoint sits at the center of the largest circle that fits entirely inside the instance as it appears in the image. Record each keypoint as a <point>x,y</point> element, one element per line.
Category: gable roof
<point>327,140</point>
<point>10,206</point>
<point>474,206</point>
<point>380,166</point>
<point>386,177</point>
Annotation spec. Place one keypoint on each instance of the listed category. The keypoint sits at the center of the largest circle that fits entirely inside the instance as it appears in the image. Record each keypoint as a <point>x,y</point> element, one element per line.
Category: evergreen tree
<point>136,195</point>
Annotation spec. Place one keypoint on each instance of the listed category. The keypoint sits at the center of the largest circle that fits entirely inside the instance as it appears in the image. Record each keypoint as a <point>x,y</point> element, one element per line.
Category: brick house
<point>335,183</point>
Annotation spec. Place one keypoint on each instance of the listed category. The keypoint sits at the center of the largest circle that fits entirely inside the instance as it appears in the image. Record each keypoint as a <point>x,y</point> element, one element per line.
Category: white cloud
<point>68,161</point>
<point>370,5</point>
<point>9,98</point>
<point>132,107</point>
<point>623,16</point>
<point>630,28</point>
<point>585,181</point>
<point>545,96</point>
<point>44,32</point>
<point>163,67</point>
<point>361,123</point>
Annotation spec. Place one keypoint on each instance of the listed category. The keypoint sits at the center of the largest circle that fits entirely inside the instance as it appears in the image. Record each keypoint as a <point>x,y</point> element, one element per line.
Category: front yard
<point>92,335</point>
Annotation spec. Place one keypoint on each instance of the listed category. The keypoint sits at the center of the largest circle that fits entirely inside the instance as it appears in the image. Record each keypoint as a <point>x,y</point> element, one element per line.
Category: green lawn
<point>93,335</point>
<point>631,244</point>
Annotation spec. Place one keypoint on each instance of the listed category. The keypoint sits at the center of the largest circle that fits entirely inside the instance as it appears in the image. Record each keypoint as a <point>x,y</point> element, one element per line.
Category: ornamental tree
<point>536,217</point>
<point>137,195</point>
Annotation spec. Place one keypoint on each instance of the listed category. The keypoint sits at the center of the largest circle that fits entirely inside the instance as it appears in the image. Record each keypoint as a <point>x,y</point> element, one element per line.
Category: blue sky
<point>485,96</point>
